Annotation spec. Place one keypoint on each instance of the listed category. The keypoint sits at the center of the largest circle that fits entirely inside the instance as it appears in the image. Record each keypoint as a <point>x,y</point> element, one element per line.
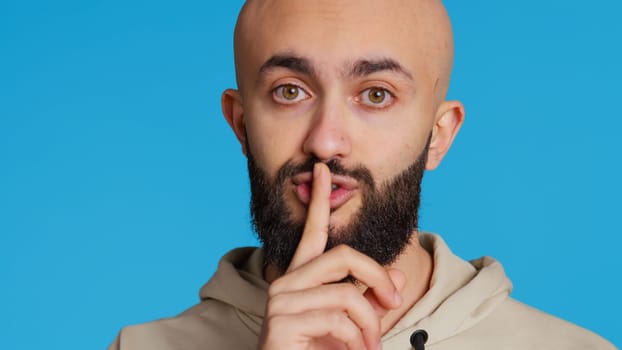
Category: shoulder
<point>522,324</point>
<point>228,316</point>
<point>208,325</point>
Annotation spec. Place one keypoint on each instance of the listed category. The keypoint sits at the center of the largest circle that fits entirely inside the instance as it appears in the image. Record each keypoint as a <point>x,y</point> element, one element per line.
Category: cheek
<point>387,151</point>
<point>273,140</point>
<point>392,159</point>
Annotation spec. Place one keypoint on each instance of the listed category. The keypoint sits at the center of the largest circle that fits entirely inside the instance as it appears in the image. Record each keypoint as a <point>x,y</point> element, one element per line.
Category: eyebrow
<point>363,68</point>
<point>360,68</point>
<point>291,62</point>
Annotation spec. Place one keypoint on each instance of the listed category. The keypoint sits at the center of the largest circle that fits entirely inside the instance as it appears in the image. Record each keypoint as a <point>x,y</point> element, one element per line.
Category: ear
<point>448,120</point>
<point>232,109</point>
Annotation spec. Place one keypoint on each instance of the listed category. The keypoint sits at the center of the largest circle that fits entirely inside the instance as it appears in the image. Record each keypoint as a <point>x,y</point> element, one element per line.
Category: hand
<point>309,308</point>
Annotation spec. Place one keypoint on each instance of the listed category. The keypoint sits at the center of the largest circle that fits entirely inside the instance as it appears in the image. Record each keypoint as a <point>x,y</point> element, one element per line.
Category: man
<point>340,109</point>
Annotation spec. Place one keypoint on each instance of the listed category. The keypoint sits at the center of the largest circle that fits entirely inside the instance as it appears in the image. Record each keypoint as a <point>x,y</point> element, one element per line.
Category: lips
<point>343,188</point>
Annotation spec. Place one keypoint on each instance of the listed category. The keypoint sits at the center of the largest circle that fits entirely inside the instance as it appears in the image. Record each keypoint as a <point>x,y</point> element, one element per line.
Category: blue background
<point>121,184</point>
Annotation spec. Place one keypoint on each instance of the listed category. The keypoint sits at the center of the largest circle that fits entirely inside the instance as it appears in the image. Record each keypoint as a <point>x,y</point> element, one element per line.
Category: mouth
<point>342,189</point>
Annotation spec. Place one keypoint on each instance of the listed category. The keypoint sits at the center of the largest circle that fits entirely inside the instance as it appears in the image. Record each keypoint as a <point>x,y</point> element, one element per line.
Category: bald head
<point>372,28</point>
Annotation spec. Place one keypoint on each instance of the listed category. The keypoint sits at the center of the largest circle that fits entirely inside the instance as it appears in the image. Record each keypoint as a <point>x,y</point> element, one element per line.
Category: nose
<point>328,137</point>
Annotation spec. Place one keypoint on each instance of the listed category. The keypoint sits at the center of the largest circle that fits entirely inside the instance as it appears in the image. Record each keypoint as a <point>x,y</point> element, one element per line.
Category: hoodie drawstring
<point>418,339</point>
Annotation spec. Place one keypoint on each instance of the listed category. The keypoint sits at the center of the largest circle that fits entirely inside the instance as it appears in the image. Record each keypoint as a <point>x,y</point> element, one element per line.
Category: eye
<point>289,94</point>
<point>376,97</point>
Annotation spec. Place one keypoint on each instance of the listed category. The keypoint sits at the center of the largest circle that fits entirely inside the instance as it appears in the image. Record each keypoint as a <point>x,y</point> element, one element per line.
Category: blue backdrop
<point>121,184</point>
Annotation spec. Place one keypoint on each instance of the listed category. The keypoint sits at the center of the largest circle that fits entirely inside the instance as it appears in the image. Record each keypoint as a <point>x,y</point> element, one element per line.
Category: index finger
<point>315,235</point>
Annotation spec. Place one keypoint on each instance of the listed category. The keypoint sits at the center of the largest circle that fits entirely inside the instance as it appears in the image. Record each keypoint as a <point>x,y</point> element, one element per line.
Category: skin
<point>333,117</point>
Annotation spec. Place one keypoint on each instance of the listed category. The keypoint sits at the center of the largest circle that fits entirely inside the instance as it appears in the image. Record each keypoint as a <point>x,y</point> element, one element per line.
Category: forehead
<point>334,16</point>
<point>332,34</point>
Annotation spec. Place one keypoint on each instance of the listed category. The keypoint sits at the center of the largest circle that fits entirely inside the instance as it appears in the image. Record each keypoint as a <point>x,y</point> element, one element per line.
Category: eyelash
<point>277,94</point>
<point>388,99</point>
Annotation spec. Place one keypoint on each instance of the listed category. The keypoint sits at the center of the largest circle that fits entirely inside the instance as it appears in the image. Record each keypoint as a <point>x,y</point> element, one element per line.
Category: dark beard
<point>381,229</point>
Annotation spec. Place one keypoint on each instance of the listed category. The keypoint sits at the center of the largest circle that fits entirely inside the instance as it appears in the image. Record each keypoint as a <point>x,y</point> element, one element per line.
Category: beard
<point>381,228</point>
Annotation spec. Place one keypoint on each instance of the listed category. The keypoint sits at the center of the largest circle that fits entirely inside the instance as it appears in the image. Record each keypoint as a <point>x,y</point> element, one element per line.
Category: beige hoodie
<point>467,307</point>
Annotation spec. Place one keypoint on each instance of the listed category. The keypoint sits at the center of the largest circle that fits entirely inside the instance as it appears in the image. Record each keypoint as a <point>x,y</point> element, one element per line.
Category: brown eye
<point>376,95</point>
<point>290,92</point>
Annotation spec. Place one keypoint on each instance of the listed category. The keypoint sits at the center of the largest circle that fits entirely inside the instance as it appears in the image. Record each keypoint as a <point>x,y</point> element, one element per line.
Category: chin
<point>343,216</point>
<point>337,222</point>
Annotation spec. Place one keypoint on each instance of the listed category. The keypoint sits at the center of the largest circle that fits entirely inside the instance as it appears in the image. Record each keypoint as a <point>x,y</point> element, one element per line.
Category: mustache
<point>359,172</point>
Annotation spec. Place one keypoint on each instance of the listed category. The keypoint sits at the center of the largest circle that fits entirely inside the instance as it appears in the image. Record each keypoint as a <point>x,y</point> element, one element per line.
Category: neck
<point>417,265</point>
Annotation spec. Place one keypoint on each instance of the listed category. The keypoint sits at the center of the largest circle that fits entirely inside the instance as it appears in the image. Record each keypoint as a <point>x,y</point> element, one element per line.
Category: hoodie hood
<point>461,293</point>
<point>238,282</point>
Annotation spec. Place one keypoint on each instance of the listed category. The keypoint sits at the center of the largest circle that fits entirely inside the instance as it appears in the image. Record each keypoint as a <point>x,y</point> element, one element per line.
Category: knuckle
<point>274,304</point>
<point>347,291</point>
<point>344,251</point>
<point>334,318</point>
<point>275,288</point>
<point>353,300</point>
<point>352,336</point>
<point>371,325</point>
<point>345,330</point>
<point>274,324</point>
